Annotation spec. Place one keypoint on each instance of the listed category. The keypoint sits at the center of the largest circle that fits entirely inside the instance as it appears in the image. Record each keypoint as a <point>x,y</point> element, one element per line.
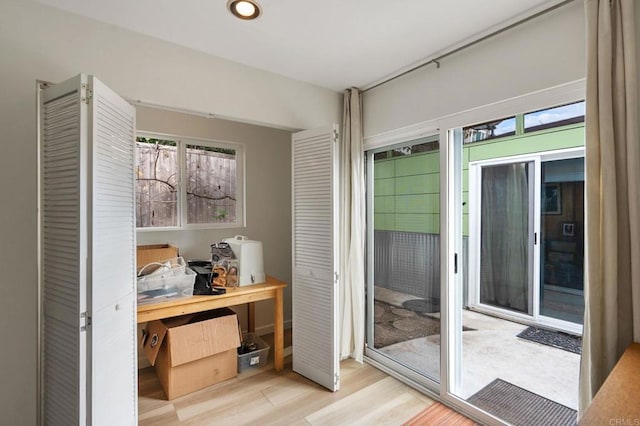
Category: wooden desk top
<point>618,400</point>
<point>233,296</point>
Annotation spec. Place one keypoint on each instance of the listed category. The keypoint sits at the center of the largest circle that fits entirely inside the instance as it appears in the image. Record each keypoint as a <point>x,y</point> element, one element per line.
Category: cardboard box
<point>194,351</point>
<point>154,253</point>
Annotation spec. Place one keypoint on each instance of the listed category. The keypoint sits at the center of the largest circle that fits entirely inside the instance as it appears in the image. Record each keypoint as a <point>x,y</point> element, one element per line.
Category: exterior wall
<point>407,208</point>
<point>547,140</point>
<point>406,189</point>
<point>407,193</point>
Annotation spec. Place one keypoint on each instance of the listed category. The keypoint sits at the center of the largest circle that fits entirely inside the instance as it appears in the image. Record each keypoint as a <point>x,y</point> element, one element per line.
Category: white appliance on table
<point>250,259</point>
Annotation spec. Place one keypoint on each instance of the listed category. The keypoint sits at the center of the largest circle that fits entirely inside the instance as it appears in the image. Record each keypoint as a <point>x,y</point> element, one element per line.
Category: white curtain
<point>352,228</point>
<point>612,285</point>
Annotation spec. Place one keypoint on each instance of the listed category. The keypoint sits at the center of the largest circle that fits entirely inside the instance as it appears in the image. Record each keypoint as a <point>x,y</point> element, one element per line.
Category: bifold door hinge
<point>336,379</point>
<point>335,135</point>
<point>86,93</point>
<point>336,277</point>
<point>85,319</point>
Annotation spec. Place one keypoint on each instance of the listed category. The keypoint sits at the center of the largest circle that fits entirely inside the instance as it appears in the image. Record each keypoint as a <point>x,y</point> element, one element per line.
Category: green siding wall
<point>406,189</point>
<point>406,193</point>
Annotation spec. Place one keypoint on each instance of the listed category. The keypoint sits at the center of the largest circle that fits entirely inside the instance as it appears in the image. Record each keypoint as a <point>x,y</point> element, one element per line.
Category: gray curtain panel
<point>612,285</point>
<point>504,259</point>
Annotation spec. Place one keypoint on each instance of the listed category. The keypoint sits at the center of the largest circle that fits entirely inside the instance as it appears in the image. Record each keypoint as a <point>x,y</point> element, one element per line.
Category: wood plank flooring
<point>439,415</point>
<point>263,397</point>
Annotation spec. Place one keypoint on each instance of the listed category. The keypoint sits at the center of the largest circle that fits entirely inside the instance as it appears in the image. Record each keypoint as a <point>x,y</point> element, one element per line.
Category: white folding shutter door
<point>112,296</point>
<point>63,253</point>
<point>87,255</point>
<point>314,206</point>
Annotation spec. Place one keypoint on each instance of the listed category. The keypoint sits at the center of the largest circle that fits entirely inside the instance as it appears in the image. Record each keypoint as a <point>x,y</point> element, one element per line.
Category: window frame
<point>520,128</point>
<point>579,119</point>
<point>181,148</point>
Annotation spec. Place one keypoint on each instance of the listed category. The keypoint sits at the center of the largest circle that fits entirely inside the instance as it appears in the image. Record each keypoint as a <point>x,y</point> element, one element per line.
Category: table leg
<point>251,317</point>
<point>278,332</point>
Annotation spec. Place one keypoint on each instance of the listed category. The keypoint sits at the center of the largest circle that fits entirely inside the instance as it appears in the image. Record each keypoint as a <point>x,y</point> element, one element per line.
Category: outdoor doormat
<point>555,339</point>
<point>518,406</point>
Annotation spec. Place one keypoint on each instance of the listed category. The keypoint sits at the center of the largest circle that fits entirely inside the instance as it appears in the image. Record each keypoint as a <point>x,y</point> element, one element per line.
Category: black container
<point>202,285</point>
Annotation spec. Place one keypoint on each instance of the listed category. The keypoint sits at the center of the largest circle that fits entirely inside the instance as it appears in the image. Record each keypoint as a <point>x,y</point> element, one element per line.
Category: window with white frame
<point>188,183</point>
<point>519,124</point>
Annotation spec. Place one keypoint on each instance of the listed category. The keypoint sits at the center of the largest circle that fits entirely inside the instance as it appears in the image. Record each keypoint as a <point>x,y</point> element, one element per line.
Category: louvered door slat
<point>315,351</point>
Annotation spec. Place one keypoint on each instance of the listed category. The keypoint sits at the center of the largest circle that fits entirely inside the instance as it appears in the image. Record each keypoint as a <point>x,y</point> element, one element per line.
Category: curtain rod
<point>454,50</point>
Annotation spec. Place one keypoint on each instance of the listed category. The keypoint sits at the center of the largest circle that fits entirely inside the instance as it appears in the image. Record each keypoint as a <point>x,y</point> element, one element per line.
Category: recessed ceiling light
<point>244,9</point>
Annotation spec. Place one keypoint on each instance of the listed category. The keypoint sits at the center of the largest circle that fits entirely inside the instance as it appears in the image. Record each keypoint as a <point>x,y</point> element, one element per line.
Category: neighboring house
<point>42,43</point>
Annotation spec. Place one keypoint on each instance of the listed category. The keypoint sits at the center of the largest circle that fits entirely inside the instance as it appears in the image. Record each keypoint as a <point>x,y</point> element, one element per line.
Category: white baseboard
<point>266,329</point>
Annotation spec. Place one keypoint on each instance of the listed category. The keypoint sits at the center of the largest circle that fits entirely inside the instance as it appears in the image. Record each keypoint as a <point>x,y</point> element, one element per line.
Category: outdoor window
<point>408,150</point>
<point>554,117</point>
<point>490,130</point>
<point>187,183</point>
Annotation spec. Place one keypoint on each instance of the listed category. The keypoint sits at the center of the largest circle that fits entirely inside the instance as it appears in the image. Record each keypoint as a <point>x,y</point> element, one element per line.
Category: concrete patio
<point>491,349</point>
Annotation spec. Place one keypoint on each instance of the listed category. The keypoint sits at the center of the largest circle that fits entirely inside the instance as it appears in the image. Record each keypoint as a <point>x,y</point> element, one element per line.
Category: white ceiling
<point>331,43</point>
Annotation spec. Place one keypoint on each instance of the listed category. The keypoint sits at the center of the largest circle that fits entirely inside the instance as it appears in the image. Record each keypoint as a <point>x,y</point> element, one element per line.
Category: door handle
<point>455,263</point>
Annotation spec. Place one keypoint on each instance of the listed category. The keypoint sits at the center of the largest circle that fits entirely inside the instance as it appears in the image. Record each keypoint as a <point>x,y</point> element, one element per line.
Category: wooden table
<point>271,289</point>
<point>618,400</point>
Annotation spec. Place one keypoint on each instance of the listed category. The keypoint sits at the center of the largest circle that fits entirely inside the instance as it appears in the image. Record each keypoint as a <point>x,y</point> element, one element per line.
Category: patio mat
<point>518,406</point>
<point>555,339</point>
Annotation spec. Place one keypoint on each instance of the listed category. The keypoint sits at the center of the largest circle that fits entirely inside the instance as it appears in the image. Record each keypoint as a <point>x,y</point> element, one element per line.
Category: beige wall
<point>268,196</point>
<point>38,42</point>
<point>539,54</point>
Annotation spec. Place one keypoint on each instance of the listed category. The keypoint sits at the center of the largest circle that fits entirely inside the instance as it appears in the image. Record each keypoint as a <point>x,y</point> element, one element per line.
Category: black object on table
<point>204,277</point>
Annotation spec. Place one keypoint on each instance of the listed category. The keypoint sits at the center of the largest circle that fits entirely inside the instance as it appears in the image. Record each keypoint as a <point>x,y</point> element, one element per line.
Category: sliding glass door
<point>403,274</point>
<point>526,235</point>
<point>523,218</point>
<point>474,244</point>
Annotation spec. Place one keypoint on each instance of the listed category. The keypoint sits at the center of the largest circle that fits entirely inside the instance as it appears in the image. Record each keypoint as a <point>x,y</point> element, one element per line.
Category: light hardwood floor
<point>263,397</point>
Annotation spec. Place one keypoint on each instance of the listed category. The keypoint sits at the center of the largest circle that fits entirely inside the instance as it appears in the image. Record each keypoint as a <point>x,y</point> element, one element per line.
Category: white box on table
<point>250,259</point>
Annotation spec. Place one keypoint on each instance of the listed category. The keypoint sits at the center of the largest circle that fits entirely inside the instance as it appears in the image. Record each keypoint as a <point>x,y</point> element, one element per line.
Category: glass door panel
<point>505,228</point>
<point>562,237</point>
<point>403,290</point>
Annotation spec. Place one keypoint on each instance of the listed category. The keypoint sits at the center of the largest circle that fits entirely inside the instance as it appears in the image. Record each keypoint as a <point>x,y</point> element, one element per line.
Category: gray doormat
<point>555,339</point>
<point>518,406</point>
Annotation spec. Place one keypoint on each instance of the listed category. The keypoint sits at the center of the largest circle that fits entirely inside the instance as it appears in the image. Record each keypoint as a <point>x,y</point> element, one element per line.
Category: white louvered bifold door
<point>315,304</point>
<point>114,397</point>
<point>63,218</point>
<point>87,254</point>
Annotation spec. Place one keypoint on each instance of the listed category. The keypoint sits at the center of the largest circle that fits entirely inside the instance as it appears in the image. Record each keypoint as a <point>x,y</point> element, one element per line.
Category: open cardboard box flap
<point>153,338</point>
<point>192,337</point>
